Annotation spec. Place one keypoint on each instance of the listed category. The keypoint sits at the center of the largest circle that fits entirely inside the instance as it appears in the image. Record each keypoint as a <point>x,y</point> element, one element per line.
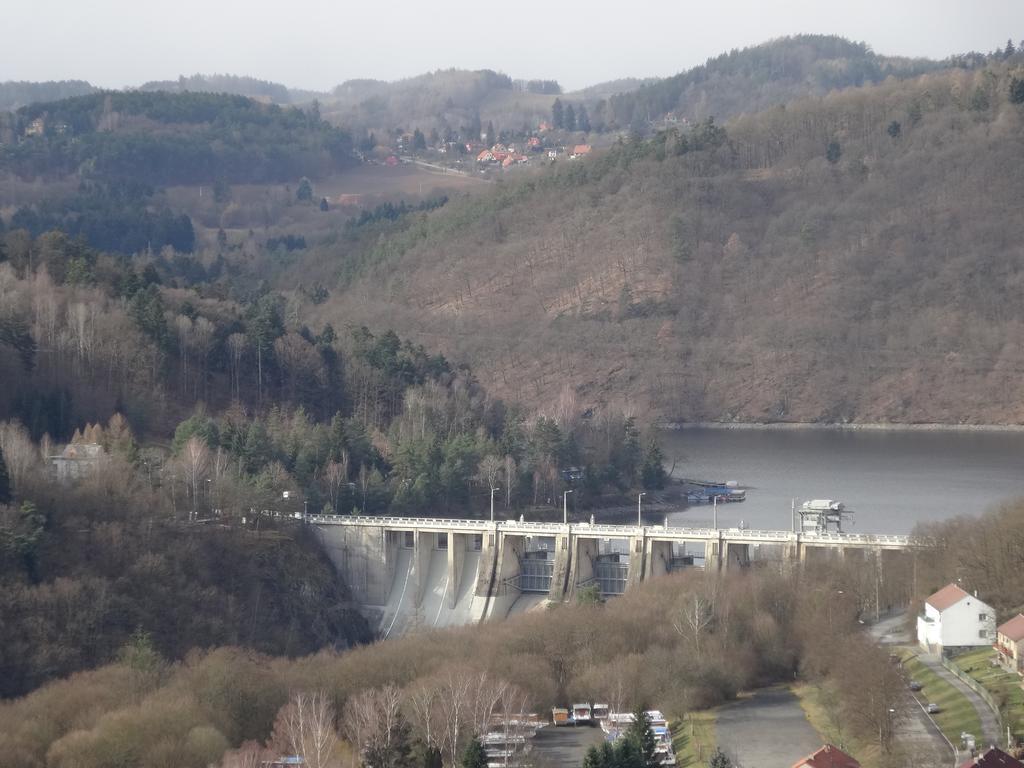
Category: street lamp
<point>492,502</point>
<point>639,508</point>
<point>565,507</point>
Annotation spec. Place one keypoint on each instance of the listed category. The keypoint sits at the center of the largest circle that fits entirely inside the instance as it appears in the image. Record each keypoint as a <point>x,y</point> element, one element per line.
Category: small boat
<point>560,716</point>
<point>581,714</point>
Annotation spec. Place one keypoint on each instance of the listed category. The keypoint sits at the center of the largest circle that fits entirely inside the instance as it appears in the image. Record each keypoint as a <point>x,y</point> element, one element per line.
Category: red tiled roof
<point>827,757</point>
<point>1014,628</point>
<point>994,758</point>
<point>949,595</point>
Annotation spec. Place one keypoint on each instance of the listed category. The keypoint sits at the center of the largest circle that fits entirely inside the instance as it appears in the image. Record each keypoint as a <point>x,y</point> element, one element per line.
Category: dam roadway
<point>411,572</point>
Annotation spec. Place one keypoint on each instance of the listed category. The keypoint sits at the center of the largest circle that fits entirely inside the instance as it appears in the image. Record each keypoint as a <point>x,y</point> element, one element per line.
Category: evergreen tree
<point>639,734</point>
<point>570,118</point>
<point>583,120</point>
<point>5,481</point>
<point>492,139</point>
<point>719,760</point>
<point>419,141</point>
<point>558,114</point>
<point>305,190</point>
<point>833,152</point>
<point>1017,91</point>
<point>1009,50</point>
<point>474,756</point>
<point>894,129</point>
<point>652,473</point>
<point>324,205</point>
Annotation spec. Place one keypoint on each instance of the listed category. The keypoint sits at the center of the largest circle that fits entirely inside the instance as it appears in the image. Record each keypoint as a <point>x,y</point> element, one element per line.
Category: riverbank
<point>818,426</point>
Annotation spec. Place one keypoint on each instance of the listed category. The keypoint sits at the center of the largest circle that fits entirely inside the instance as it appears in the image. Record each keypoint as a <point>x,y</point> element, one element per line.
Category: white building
<point>955,621</point>
<point>77,460</point>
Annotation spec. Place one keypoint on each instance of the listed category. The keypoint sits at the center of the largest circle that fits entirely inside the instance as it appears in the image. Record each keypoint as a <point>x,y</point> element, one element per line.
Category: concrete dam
<point>408,573</point>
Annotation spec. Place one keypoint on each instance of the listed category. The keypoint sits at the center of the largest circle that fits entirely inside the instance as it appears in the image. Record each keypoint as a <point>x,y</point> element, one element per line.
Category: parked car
<point>915,685</point>
<point>933,709</point>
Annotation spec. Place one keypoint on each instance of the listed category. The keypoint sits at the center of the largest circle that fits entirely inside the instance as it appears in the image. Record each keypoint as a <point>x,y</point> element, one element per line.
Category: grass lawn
<point>693,738</point>
<point>1004,686</point>
<point>956,714</point>
<point>812,700</point>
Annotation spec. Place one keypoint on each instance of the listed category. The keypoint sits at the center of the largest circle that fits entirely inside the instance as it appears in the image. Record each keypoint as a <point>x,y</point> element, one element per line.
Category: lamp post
<point>639,509</point>
<point>565,507</point>
<point>492,502</point>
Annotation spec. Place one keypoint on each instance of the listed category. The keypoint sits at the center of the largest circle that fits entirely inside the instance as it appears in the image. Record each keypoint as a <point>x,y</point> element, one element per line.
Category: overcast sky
<point>319,43</point>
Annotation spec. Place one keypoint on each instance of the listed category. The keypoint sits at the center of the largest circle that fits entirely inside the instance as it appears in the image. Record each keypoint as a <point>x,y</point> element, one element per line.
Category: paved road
<point>989,725</point>
<point>768,730</point>
<point>921,739</point>
<point>564,746</point>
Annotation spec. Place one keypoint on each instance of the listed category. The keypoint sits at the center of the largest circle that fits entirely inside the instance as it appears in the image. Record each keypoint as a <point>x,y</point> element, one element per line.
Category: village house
<point>534,144</point>
<point>828,756</point>
<point>580,150</point>
<point>954,621</point>
<point>36,128</point>
<point>1010,644</point>
<point>77,460</point>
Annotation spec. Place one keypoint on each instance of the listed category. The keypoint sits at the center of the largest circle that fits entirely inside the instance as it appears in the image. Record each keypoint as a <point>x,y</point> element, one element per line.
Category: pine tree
<point>474,756</point>
<point>570,118</point>
<point>583,120</point>
<point>558,114</point>
<point>639,734</point>
<point>5,481</point>
<point>652,473</point>
<point>1017,91</point>
<point>719,760</point>
<point>833,152</point>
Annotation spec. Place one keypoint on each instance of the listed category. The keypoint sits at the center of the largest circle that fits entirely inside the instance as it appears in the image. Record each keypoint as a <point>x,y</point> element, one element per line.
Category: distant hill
<point>854,256</point>
<point>156,138</point>
<point>15,94</point>
<point>752,79</point>
<point>444,100</point>
<point>251,87</point>
<point>613,87</point>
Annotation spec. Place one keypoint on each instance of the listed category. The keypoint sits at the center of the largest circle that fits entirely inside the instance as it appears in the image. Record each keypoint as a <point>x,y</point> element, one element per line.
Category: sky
<point>317,43</point>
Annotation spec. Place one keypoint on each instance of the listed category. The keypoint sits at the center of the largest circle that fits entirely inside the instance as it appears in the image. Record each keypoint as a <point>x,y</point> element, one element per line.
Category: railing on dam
<point>659,532</point>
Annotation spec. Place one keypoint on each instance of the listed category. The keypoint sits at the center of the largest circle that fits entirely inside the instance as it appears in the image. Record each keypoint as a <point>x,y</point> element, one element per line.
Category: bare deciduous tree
<point>305,727</point>
<point>196,463</point>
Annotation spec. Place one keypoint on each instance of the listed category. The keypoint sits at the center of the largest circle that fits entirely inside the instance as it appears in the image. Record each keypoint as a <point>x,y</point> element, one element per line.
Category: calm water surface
<point>891,479</point>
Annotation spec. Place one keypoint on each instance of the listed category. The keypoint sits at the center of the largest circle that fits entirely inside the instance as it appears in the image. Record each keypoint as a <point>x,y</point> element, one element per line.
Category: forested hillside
<point>237,85</point>
<point>755,78</point>
<point>95,164</point>
<point>852,257</point>
<point>446,100</point>
<point>15,94</point>
<point>160,138</point>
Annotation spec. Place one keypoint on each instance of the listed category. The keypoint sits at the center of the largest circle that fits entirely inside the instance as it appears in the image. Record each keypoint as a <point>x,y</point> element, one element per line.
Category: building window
<point>982,616</point>
<point>442,541</point>
<point>982,634</point>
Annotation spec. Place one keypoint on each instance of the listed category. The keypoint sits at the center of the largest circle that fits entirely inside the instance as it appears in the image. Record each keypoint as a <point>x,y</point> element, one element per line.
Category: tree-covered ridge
<point>751,79</point>
<point>18,93</point>
<point>239,85</point>
<point>158,138</point>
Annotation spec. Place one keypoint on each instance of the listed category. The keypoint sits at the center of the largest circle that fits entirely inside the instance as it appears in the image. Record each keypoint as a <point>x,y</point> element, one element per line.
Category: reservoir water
<point>892,479</point>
